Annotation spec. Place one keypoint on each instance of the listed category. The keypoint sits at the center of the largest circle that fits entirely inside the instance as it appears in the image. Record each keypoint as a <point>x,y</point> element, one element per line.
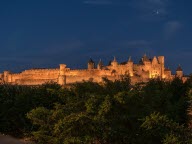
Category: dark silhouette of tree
<point>88,112</point>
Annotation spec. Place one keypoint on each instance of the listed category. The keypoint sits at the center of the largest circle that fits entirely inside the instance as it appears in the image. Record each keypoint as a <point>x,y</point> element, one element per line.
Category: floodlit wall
<point>149,68</point>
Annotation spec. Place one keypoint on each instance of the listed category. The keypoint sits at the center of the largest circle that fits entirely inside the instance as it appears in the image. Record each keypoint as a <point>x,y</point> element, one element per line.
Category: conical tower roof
<point>91,61</point>
<point>179,68</point>
<point>114,60</point>
<point>100,62</point>
<point>145,58</point>
<point>130,60</point>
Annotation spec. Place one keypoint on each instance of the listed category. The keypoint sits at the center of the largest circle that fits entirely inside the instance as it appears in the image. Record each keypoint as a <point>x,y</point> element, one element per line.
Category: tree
<point>160,129</point>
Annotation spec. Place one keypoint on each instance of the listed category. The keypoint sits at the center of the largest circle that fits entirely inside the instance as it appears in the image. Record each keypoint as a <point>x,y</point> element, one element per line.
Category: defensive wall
<point>139,72</point>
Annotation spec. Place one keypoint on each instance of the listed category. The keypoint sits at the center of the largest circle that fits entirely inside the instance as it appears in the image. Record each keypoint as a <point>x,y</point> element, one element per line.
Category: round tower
<point>7,76</point>
<point>91,64</point>
<point>179,72</point>
<point>161,61</point>
<point>62,69</point>
<point>130,66</point>
<point>167,72</point>
<point>62,77</point>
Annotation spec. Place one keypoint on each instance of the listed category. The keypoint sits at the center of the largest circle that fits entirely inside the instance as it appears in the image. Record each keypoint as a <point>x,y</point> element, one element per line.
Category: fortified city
<point>141,72</point>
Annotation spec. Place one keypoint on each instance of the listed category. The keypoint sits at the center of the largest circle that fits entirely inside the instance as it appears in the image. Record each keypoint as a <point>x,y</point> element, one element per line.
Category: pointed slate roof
<point>145,58</point>
<point>114,60</point>
<point>179,68</point>
<point>100,62</point>
<point>109,63</point>
<point>90,61</point>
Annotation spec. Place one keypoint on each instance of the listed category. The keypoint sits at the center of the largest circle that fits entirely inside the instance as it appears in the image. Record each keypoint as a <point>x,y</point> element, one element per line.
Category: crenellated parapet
<point>39,71</point>
<point>145,69</point>
<point>79,70</point>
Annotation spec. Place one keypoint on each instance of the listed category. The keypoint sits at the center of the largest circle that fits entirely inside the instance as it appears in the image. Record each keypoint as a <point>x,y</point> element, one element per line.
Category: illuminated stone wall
<point>142,71</point>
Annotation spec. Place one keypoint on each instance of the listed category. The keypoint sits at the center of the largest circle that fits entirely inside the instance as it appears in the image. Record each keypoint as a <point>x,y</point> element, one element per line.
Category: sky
<point>46,33</point>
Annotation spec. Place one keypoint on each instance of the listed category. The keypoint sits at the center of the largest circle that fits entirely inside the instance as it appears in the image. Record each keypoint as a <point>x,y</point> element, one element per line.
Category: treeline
<point>107,113</point>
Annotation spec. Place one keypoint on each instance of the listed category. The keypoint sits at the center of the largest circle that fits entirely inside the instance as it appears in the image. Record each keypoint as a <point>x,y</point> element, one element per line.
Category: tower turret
<point>91,64</point>
<point>130,60</point>
<point>130,66</point>
<point>7,76</point>
<point>167,73</point>
<point>179,72</point>
<point>62,76</point>
<point>154,61</point>
<point>145,59</point>
<point>161,61</point>
<point>100,65</point>
<point>114,63</point>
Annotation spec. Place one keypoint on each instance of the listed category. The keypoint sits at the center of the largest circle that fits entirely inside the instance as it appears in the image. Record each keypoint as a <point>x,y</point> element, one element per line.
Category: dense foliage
<point>110,112</point>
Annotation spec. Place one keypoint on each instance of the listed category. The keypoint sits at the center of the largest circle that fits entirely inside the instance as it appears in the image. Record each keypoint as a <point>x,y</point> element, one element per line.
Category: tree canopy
<point>111,112</point>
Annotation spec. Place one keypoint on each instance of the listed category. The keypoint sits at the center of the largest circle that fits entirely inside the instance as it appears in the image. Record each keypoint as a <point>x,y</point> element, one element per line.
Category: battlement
<point>35,70</point>
<point>16,74</point>
<point>146,68</point>
<point>79,70</point>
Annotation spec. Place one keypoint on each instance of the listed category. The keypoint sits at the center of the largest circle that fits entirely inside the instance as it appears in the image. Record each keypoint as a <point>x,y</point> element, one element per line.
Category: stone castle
<point>141,72</point>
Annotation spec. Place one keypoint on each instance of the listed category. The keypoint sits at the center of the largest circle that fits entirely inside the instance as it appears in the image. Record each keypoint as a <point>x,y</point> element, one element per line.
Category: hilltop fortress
<point>141,72</point>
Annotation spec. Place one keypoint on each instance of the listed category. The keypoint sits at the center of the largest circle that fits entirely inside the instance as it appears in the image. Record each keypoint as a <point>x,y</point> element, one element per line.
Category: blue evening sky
<point>45,33</point>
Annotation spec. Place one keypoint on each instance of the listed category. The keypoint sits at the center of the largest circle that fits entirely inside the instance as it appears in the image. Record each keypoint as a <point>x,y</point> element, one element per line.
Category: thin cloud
<point>97,2</point>
<point>153,4</point>
<point>149,9</point>
<point>157,2</point>
<point>171,28</point>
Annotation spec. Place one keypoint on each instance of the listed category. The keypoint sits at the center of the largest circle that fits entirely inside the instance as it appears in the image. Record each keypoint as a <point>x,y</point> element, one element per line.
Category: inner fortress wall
<point>123,69</point>
<point>88,73</point>
<point>74,79</point>
<point>95,75</point>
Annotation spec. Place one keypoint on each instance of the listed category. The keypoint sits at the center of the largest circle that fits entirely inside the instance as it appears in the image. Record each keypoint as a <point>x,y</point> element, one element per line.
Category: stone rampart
<point>143,71</point>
